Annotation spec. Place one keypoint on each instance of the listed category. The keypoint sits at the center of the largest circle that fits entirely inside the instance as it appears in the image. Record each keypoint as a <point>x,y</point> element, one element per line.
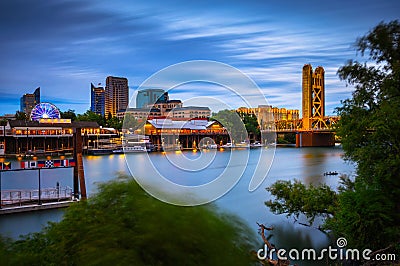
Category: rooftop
<point>74,124</point>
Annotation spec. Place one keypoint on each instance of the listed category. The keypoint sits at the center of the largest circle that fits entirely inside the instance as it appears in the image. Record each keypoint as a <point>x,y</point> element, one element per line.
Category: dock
<point>16,201</point>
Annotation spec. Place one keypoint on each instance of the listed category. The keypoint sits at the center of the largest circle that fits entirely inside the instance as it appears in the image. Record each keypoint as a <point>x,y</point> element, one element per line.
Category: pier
<point>26,200</point>
<point>19,197</point>
<point>16,200</point>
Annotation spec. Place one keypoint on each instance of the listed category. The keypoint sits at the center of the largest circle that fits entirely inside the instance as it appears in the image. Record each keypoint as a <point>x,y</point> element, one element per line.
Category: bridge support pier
<point>315,139</point>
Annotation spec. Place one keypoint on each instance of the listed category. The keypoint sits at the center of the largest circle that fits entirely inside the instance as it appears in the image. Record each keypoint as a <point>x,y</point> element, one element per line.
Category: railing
<point>294,130</point>
<point>20,197</point>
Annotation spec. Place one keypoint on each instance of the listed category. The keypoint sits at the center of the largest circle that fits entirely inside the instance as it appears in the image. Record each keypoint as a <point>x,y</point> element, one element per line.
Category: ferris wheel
<point>44,110</point>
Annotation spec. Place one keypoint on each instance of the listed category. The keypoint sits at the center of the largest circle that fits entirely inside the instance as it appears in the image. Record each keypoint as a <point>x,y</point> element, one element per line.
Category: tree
<point>21,116</point>
<point>369,214</point>
<point>295,199</point>
<point>233,124</point>
<point>251,125</point>
<point>123,225</point>
<point>69,114</point>
<point>113,122</point>
<point>366,210</point>
<point>91,116</point>
<point>131,123</point>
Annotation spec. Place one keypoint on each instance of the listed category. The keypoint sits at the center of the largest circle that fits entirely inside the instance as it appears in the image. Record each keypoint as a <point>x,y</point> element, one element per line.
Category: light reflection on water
<point>305,164</point>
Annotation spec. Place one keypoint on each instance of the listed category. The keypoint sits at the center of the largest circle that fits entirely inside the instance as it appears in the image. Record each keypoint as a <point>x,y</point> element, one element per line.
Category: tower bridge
<point>314,128</point>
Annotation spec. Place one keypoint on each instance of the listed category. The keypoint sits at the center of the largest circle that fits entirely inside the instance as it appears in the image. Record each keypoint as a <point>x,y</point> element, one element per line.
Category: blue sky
<point>63,46</point>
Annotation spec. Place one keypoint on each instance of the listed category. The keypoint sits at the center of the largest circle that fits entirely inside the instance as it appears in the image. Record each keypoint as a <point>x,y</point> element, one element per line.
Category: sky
<point>64,46</point>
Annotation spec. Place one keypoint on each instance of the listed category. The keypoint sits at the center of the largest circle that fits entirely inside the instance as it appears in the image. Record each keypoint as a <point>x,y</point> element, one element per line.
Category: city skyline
<point>63,47</point>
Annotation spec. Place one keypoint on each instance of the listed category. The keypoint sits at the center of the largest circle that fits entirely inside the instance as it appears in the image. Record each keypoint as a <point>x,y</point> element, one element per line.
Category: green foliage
<point>131,122</point>
<point>21,116</point>
<point>295,198</point>
<point>370,132</point>
<point>233,123</point>
<point>251,125</point>
<point>367,210</point>
<point>287,138</point>
<point>123,225</point>
<point>69,114</point>
<point>113,122</point>
<point>91,116</point>
<point>362,216</point>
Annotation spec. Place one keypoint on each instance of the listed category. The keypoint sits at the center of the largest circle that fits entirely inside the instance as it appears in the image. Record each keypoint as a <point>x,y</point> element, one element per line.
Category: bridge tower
<point>313,110</point>
<point>313,97</point>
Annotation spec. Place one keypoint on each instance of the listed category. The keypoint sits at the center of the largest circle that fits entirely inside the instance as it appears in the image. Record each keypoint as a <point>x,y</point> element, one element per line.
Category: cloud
<point>62,46</point>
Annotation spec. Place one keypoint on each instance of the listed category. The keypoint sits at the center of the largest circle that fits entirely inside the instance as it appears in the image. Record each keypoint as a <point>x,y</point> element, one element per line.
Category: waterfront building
<point>7,117</point>
<point>167,108</point>
<point>148,97</point>
<point>116,95</point>
<point>267,115</point>
<point>97,99</point>
<point>185,134</point>
<point>177,113</point>
<point>29,100</point>
<point>51,136</point>
<point>165,105</point>
<point>191,112</point>
<point>247,111</point>
<point>313,92</point>
<point>140,113</point>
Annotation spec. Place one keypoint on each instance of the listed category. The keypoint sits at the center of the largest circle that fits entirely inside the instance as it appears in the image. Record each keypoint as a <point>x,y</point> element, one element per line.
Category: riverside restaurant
<point>48,136</point>
<point>185,134</point>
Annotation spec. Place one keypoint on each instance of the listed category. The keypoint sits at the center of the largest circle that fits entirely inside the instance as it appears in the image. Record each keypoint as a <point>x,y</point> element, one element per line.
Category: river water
<point>305,164</point>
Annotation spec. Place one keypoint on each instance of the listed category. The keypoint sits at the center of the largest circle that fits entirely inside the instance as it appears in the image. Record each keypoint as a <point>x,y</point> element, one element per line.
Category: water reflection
<point>306,164</point>
<point>314,161</point>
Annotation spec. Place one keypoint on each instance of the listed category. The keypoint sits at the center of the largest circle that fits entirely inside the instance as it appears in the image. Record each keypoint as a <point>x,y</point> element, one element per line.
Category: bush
<point>123,225</point>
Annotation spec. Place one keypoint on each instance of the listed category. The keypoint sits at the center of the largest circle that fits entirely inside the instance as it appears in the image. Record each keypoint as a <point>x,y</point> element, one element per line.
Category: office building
<point>116,95</point>
<point>97,99</point>
<point>148,97</point>
<point>165,104</point>
<point>29,100</point>
<point>191,112</point>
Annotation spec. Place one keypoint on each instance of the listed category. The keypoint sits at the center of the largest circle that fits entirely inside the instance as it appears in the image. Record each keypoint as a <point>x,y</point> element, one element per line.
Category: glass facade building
<point>97,99</point>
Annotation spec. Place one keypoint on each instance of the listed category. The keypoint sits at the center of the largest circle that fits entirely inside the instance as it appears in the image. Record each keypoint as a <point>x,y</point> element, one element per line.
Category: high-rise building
<point>116,95</point>
<point>37,95</point>
<point>313,100</point>
<point>148,97</point>
<point>29,100</point>
<point>97,99</point>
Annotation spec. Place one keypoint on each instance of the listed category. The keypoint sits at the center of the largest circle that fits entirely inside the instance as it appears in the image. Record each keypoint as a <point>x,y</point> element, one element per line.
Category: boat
<point>136,148</point>
<point>100,151</point>
<point>118,150</point>
<point>242,144</point>
<point>136,143</point>
<point>210,146</point>
<point>228,145</point>
<point>255,145</point>
<point>331,173</point>
<point>171,147</point>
